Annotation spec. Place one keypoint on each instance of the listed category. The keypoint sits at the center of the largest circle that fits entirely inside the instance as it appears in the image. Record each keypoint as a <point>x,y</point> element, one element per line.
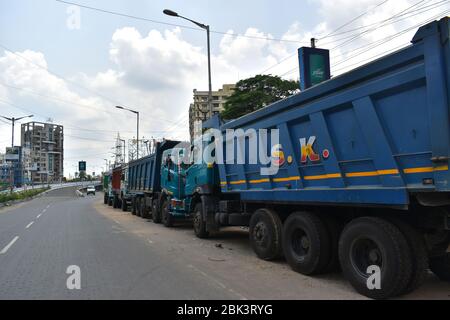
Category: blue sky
<point>154,68</point>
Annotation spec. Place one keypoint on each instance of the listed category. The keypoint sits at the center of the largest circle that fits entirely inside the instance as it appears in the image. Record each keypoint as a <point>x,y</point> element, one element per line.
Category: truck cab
<point>183,183</point>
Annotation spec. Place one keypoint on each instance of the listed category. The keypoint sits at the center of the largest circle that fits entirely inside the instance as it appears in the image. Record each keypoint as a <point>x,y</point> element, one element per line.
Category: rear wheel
<point>166,217</point>
<point>115,202</point>
<point>265,234</point>
<point>144,213</point>
<point>124,205</point>
<point>105,199</point>
<point>306,243</point>
<point>138,207</point>
<point>419,255</point>
<point>440,266</point>
<point>199,222</point>
<point>369,244</point>
<point>110,202</point>
<point>133,206</point>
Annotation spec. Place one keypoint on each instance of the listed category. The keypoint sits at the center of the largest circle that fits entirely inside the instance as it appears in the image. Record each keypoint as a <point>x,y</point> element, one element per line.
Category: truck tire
<point>199,222</point>
<point>419,255</point>
<point>266,234</point>
<point>133,206</point>
<point>124,205</point>
<point>116,202</point>
<point>306,243</point>
<point>156,211</point>
<point>166,217</point>
<point>138,207</point>
<point>110,201</point>
<point>440,266</point>
<point>105,199</point>
<point>370,241</point>
<point>144,213</point>
<point>334,228</point>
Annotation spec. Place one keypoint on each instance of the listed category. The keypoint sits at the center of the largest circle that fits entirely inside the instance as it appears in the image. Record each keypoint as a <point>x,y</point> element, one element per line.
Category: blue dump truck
<point>357,179</point>
<point>144,182</point>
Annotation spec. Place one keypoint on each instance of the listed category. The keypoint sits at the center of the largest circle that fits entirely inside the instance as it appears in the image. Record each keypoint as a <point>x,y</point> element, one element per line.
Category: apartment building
<point>43,152</point>
<point>199,110</point>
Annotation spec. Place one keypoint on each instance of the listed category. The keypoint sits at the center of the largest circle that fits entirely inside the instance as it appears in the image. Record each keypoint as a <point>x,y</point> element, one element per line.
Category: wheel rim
<point>260,234</point>
<point>300,243</point>
<point>365,252</point>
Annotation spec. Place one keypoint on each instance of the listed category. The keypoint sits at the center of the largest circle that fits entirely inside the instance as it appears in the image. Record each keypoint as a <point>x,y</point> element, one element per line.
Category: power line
<point>89,139</point>
<point>386,39</point>
<point>373,45</point>
<point>328,35</point>
<point>68,102</point>
<point>174,24</point>
<point>353,20</point>
<point>404,16</point>
<point>77,128</point>
<point>342,26</point>
<point>376,44</point>
<point>74,83</point>
<point>370,59</point>
<point>374,28</point>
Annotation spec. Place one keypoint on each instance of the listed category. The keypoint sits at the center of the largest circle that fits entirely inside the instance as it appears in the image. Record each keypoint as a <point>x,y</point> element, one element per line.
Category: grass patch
<point>5,197</point>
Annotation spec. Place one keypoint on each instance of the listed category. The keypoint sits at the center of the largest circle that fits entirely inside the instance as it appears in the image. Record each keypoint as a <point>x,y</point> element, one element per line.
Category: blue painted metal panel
<point>378,133</point>
<point>144,173</point>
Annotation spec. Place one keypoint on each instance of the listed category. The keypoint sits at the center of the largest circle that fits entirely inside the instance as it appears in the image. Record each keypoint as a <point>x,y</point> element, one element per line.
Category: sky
<point>72,64</point>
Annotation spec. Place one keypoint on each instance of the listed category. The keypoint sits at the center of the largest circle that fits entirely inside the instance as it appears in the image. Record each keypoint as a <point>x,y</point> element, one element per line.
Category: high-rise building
<point>199,109</point>
<point>43,152</point>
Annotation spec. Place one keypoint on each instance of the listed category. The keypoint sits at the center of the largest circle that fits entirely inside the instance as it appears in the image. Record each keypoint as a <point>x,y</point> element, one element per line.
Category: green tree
<point>255,93</point>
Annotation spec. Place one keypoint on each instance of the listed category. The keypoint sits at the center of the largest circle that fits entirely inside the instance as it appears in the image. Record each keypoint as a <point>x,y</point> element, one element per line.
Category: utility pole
<point>205,27</point>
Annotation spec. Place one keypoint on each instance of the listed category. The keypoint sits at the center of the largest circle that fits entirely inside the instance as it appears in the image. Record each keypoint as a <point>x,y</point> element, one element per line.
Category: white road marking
<point>5,249</point>
<point>39,215</point>
<point>47,207</point>
<point>29,225</point>
<point>43,211</point>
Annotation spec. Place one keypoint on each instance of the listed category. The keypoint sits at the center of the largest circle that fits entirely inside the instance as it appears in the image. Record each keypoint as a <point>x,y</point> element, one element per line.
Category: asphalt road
<point>121,256</point>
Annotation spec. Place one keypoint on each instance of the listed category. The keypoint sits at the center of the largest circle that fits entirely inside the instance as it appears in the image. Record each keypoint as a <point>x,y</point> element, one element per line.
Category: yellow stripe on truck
<point>348,175</point>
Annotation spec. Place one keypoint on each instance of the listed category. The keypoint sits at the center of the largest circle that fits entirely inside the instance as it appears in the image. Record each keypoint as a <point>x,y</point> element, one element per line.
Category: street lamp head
<point>170,13</point>
<point>119,107</point>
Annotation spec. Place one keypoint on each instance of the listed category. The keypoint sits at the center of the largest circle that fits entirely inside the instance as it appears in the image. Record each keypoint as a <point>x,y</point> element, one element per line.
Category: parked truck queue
<point>362,180</point>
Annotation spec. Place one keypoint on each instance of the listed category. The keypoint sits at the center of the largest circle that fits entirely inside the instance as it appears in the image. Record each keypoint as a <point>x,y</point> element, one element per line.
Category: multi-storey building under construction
<point>43,152</point>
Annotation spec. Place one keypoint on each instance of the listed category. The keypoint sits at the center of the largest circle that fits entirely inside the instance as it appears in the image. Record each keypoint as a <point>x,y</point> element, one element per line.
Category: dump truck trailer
<point>144,182</point>
<point>357,176</point>
<point>362,179</point>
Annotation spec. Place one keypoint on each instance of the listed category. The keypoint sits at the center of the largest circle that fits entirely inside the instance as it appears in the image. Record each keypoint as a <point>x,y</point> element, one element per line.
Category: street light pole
<point>137,137</point>
<point>205,27</point>
<point>137,128</point>
<point>13,121</point>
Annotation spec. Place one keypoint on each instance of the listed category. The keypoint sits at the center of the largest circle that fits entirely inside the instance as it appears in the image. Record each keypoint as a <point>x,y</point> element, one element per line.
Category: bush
<point>5,197</point>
